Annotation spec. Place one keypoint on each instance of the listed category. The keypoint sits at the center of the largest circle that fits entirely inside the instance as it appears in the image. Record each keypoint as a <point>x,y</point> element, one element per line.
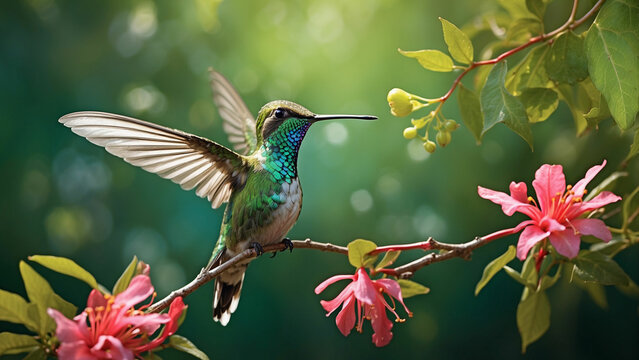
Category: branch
<point>571,23</point>
<point>452,251</point>
<point>207,275</point>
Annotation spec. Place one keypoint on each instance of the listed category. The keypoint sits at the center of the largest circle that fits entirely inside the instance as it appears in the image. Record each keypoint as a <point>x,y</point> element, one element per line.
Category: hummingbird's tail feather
<point>228,287</point>
<point>226,299</point>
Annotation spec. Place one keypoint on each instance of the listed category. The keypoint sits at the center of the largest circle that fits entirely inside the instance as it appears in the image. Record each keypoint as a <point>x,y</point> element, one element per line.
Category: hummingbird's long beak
<point>329,117</point>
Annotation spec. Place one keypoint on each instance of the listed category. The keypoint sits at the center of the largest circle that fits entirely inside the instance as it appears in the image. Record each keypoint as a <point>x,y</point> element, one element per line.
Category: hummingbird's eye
<point>279,113</point>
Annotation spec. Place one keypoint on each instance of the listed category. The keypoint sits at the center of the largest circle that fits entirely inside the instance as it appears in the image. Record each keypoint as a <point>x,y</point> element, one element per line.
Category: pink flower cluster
<point>367,297</point>
<point>111,328</point>
<point>557,215</point>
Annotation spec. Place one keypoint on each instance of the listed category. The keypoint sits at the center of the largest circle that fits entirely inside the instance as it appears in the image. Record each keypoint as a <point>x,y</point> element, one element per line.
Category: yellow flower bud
<point>410,132</point>
<point>430,146</point>
<point>399,102</point>
<point>443,138</point>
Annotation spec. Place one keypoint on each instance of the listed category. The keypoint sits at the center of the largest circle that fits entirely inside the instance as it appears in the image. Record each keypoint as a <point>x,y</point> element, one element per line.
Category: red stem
<point>570,24</point>
<point>424,245</point>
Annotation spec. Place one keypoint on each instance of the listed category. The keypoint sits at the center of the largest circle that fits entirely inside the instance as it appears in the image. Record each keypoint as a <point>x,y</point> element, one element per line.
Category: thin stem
<point>569,24</point>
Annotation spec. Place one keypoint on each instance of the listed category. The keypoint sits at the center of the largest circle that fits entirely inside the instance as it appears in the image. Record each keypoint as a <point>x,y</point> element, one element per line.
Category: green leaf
<point>533,317</point>
<point>567,94</point>
<point>65,266</point>
<point>517,9</point>
<point>388,259</point>
<point>606,184</point>
<point>125,278</point>
<point>13,308</point>
<point>37,354</point>
<point>611,248</point>
<point>597,267</point>
<point>411,288</point>
<point>613,60</point>
<point>548,281</point>
<point>567,61</point>
<point>537,7</point>
<point>596,291</point>
<point>494,266</point>
<point>459,45</point>
<point>42,295</point>
<point>357,251</point>
<point>529,270</point>
<point>183,344</point>
<point>515,275</point>
<point>634,148</point>
<point>540,103</point>
<point>499,105</point>
<point>470,111</point>
<point>522,29</point>
<point>630,205</point>
<point>530,72</point>
<point>434,60</point>
<point>11,343</point>
<point>632,289</point>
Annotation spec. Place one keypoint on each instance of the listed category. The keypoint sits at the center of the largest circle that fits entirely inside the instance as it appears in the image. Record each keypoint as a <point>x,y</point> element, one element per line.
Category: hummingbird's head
<point>280,112</point>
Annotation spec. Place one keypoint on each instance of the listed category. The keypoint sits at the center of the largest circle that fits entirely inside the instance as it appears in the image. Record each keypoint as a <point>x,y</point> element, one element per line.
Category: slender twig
<point>205,276</point>
<point>404,271</point>
<point>569,24</point>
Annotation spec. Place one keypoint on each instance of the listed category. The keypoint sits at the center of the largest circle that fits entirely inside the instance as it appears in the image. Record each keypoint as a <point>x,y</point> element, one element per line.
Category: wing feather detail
<point>239,123</point>
<point>191,161</point>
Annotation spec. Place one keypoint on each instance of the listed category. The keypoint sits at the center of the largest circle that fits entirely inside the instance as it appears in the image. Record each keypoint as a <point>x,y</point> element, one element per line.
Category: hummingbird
<point>258,179</point>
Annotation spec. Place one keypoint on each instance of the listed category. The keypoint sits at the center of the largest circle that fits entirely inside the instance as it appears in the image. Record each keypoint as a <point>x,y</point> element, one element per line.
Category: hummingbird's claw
<point>258,248</point>
<point>288,244</point>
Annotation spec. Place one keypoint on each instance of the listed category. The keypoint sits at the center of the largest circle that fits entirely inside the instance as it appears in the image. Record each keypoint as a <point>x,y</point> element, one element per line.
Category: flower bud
<point>451,125</point>
<point>443,138</point>
<point>410,132</point>
<point>430,146</point>
<point>399,102</point>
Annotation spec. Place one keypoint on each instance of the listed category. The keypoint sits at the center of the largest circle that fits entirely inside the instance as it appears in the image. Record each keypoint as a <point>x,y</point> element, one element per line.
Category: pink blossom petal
<point>113,347</point>
<point>147,323</point>
<point>602,199</point>
<point>331,305</point>
<point>96,298</point>
<point>566,242</point>
<point>175,311</point>
<point>528,238</point>
<point>139,289</point>
<point>66,329</point>
<point>594,227</point>
<point>77,350</point>
<point>321,287</point>
<point>381,324</point>
<point>345,319</point>
<point>550,224</point>
<point>392,288</point>
<point>363,288</point>
<point>519,191</point>
<point>580,186</point>
<point>549,180</point>
<point>508,204</point>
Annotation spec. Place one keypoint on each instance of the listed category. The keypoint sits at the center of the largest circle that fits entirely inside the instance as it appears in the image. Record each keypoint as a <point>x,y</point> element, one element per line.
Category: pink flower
<point>367,296</point>
<point>111,328</point>
<point>556,217</point>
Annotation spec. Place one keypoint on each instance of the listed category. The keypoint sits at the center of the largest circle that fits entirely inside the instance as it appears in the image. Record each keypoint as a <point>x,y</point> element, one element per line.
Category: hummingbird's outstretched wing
<point>185,159</point>
<point>239,123</point>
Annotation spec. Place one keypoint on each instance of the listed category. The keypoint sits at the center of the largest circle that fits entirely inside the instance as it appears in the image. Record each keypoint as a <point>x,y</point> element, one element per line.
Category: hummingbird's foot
<point>258,248</point>
<point>288,244</point>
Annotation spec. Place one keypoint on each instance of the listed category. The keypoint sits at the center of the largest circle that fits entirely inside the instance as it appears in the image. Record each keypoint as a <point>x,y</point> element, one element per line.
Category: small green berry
<point>451,125</point>
<point>410,133</point>
<point>443,138</point>
<point>430,146</point>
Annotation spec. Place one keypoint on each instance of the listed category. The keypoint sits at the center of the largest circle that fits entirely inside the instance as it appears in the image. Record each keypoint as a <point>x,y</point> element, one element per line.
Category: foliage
<point>595,71</point>
<point>33,315</point>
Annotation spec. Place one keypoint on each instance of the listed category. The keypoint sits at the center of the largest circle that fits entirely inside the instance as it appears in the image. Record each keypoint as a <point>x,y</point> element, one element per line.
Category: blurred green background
<point>62,195</point>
